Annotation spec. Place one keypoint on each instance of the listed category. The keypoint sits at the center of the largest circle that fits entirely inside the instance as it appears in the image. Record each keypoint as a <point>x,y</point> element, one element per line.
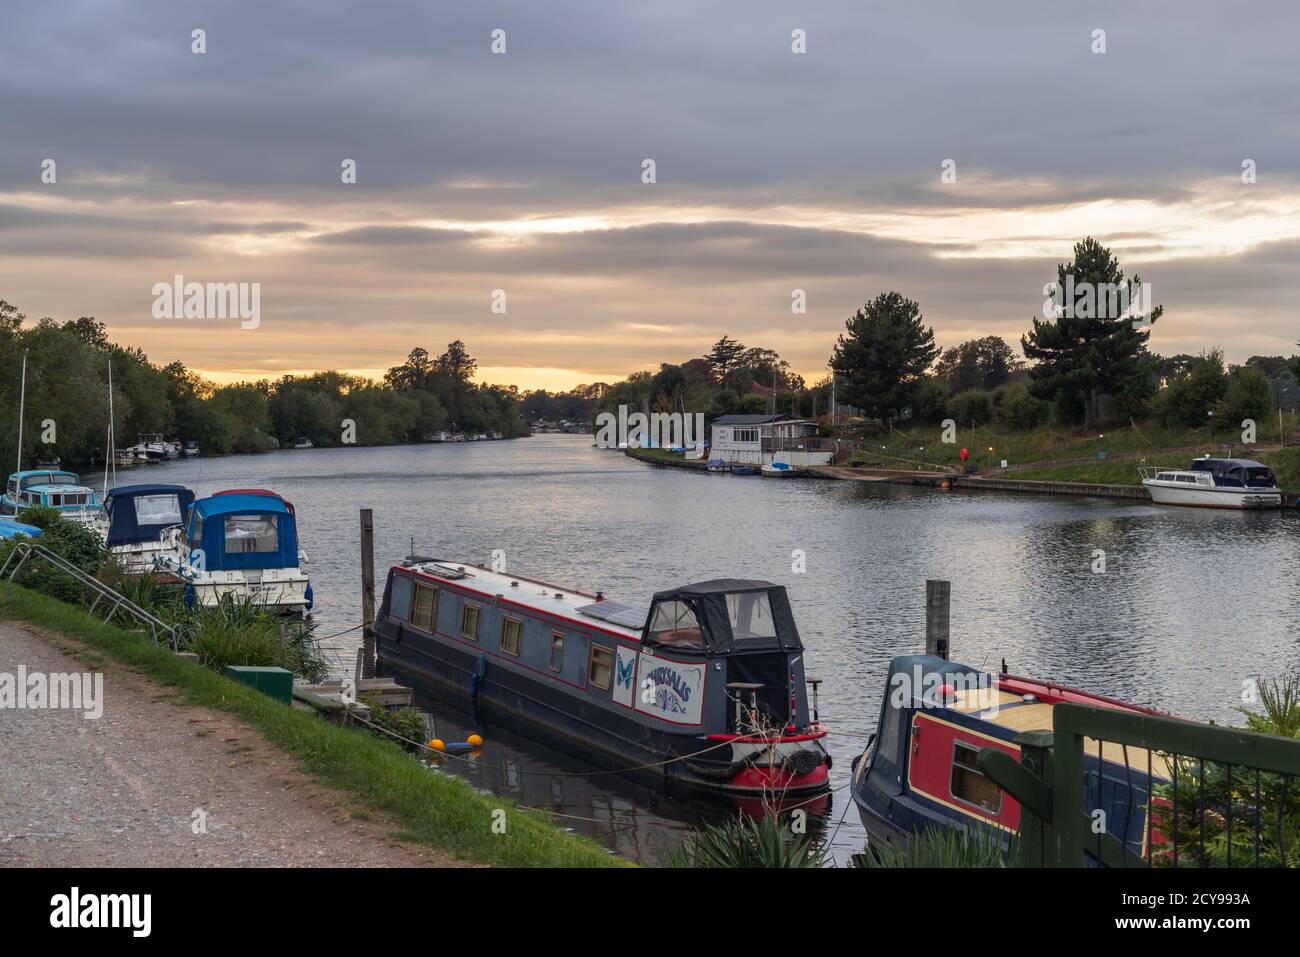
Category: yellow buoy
<point>475,740</point>
<point>436,745</point>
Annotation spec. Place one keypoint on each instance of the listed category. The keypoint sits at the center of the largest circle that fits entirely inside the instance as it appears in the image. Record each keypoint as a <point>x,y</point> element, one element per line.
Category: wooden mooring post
<point>367,593</point>
<point>938,594</point>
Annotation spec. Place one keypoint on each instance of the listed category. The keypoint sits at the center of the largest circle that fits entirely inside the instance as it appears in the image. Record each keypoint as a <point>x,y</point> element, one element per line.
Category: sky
<point>523,172</point>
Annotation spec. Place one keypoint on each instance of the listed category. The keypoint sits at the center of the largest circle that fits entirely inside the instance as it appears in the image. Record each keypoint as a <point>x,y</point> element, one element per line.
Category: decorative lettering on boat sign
<point>675,689</point>
<point>624,675</point>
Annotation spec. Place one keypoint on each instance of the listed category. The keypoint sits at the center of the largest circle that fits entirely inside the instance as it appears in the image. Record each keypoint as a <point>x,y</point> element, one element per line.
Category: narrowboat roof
<point>540,596</point>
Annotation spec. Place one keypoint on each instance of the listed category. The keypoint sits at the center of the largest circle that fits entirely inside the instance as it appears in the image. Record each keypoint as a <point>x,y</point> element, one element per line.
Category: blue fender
<point>480,672</point>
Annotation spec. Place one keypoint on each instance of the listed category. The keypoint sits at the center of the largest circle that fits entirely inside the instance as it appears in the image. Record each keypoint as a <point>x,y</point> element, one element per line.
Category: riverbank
<point>432,814</point>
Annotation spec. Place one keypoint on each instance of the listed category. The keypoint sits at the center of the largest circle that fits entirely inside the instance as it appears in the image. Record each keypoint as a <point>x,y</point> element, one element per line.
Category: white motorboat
<point>778,470</point>
<point>1214,483</point>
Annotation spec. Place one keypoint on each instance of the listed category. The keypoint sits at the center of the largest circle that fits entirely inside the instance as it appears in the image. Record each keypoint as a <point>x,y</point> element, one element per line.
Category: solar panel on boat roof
<point>616,613</point>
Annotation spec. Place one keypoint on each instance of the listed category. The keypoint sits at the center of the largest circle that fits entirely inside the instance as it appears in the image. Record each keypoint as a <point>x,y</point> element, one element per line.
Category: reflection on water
<point>1192,602</point>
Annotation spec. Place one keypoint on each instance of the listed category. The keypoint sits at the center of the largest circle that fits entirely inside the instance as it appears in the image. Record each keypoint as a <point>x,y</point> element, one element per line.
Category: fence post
<point>1067,802</point>
<point>1035,832</point>
<point>367,593</point>
<point>937,599</point>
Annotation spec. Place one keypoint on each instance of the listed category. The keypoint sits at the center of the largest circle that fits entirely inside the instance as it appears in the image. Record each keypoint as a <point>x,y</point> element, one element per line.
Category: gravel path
<point>123,790</point>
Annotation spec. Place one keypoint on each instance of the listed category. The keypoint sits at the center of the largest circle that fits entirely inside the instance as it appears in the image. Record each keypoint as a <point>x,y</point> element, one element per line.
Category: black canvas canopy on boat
<point>1245,472</point>
<point>732,615</point>
<point>139,513</point>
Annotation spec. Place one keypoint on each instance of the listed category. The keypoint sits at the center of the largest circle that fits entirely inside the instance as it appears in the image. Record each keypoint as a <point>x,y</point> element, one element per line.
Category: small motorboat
<point>743,470</point>
<point>1214,483</point>
<point>50,488</point>
<point>242,542</point>
<point>779,470</point>
<point>190,448</point>
<point>718,465</point>
<point>134,520</point>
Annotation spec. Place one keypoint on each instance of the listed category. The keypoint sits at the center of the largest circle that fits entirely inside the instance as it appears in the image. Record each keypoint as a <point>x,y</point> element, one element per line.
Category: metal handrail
<point>119,602</point>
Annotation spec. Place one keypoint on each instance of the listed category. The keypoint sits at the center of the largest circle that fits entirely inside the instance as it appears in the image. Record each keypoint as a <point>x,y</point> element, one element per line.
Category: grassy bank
<point>430,809</point>
<point>1056,456</point>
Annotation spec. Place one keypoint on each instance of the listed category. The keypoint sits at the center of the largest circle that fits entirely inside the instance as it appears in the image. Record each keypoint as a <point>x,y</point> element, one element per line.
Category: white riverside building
<point>763,439</point>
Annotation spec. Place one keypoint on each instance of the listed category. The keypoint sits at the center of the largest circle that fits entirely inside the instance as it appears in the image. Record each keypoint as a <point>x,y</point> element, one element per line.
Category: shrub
<point>942,847</point>
<point>72,541</point>
<point>971,406</point>
<point>1017,409</point>
<point>747,842</point>
<point>237,631</point>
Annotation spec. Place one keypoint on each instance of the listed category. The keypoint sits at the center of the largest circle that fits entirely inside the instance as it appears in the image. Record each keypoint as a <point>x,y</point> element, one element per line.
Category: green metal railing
<point>1203,792</point>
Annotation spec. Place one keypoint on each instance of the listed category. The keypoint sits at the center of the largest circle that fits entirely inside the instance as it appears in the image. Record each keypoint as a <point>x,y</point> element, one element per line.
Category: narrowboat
<point>705,689</point>
<point>1214,483</point>
<point>919,770</point>
<point>242,543</point>
<point>134,519</point>
<point>50,488</point>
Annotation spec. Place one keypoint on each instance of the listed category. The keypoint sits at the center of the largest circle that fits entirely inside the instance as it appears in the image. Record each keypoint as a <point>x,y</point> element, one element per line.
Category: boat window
<point>751,615</point>
<point>251,533</point>
<point>56,500</point>
<point>157,510</point>
<point>1164,477</point>
<point>674,624</point>
<point>399,599</point>
<point>968,784</point>
<point>511,631</point>
<point>469,621</point>
<point>424,607</point>
<point>557,650</point>
<point>600,667</point>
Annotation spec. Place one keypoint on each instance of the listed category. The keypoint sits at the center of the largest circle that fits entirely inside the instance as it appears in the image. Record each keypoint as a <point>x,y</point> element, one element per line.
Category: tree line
<point>67,398</point>
<point>1083,366</point>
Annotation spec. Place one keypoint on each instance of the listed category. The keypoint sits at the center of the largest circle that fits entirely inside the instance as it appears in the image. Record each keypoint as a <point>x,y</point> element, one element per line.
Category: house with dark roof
<point>763,439</point>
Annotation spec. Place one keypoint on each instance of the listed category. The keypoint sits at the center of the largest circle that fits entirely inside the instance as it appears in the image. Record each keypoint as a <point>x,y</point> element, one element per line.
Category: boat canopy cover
<point>725,616</point>
<point>244,531</point>
<point>44,478</point>
<point>139,513</point>
<point>1243,471</point>
<point>911,679</point>
<point>11,529</point>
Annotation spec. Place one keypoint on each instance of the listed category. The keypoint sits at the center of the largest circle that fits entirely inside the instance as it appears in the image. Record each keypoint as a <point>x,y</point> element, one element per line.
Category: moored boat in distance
<point>243,542</point>
<point>718,465</point>
<point>704,689</point>
<point>919,769</point>
<point>50,488</point>
<point>1214,483</point>
<point>134,518</point>
<point>778,470</point>
<point>189,448</point>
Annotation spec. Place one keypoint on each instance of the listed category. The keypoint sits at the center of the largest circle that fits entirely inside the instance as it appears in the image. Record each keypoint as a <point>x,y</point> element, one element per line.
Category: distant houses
<point>763,439</point>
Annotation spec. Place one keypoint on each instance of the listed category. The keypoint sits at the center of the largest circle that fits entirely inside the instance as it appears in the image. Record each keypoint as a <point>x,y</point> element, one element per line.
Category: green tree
<point>1189,399</point>
<point>1090,348</point>
<point>882,357</point>
<point>1248,395</point>
<point>724,356</point>
<point>978,364</point>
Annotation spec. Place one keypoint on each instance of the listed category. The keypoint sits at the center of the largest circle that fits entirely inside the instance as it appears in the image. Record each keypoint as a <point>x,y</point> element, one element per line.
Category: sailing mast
<point>22,402</point>
<point>110,452</point>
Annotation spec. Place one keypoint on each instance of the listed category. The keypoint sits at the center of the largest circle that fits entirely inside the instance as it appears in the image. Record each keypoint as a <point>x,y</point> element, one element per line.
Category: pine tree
<point>1090,348</point>
<point>883,356</point>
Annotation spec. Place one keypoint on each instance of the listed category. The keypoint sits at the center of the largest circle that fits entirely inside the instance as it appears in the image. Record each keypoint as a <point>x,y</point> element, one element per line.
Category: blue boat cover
<point>139,513</point>
<point>244,531</point>
<point>11,529</point>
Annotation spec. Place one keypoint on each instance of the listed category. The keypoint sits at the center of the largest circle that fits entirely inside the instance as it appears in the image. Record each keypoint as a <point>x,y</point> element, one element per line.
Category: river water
<point>1192,603</point>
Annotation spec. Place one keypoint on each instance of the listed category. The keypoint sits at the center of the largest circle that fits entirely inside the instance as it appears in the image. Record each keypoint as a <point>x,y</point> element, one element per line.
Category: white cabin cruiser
<point>1214,483</point>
